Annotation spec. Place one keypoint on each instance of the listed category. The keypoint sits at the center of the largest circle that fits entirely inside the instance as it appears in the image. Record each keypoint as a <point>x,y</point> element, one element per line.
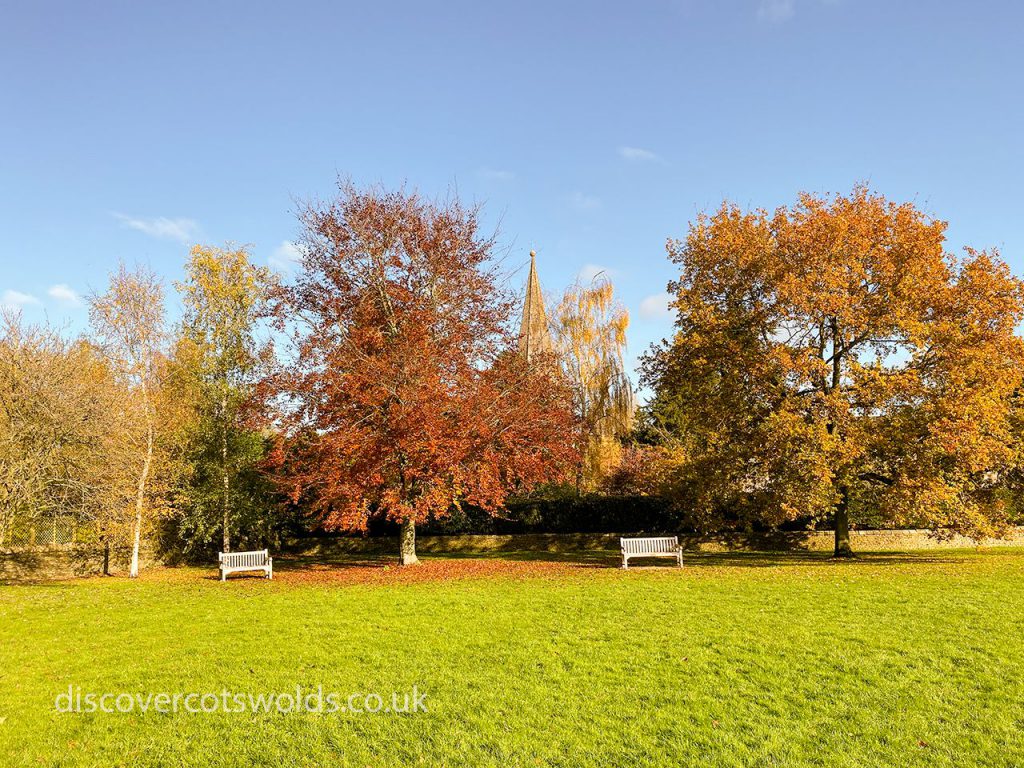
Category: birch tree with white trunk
<point>128,322</point>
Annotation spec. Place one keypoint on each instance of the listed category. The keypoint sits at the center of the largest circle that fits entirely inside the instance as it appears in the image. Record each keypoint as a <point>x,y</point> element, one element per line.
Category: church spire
<point>534,335</point>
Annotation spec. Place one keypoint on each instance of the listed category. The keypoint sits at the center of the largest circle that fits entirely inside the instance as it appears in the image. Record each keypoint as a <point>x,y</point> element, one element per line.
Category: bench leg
<point>223,575</point>
<point>680,558</point>
<point>625,563</point>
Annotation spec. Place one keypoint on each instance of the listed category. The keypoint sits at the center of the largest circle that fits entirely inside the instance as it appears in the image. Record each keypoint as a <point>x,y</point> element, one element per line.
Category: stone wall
<point>41,564</point>
<point>813,541</point>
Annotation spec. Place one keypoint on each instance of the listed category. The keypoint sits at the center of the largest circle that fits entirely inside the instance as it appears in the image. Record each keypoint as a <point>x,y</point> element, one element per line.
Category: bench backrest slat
<point>650,545</point>
<point>254,559</point>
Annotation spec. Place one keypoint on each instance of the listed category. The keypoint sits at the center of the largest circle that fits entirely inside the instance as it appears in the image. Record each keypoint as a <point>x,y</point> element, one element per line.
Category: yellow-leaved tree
<point>225,295</point>
<point>590,337</point>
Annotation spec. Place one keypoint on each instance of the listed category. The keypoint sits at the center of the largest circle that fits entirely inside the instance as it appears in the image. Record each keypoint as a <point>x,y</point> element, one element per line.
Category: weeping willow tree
<point>590,338</point>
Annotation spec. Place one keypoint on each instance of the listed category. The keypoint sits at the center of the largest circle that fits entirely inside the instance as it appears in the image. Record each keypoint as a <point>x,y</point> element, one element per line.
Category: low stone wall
<point>41,564</point>
<point>861,541</point>
<point>811,541</point>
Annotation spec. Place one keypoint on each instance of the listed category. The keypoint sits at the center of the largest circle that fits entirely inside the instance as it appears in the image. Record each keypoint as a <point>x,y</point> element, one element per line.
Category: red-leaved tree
<point>405,396</point>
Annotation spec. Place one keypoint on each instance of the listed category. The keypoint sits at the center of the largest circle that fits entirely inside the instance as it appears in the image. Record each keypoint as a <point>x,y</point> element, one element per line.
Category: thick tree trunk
<point>140,500</point>
<point>838,350</point>
<point>843,548</point>
<point>224,471</point>
<point>407,544</point>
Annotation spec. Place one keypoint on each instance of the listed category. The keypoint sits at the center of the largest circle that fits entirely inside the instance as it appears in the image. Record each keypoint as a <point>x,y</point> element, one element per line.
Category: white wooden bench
<point>232,562</point>
<point>658,546</point>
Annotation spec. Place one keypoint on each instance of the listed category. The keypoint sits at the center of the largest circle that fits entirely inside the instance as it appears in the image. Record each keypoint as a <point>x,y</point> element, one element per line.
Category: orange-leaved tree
<point>833,360</point>
<point>404,394</point>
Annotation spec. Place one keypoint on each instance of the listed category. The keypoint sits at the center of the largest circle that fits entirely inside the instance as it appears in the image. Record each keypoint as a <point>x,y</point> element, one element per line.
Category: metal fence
<point>51,532</point>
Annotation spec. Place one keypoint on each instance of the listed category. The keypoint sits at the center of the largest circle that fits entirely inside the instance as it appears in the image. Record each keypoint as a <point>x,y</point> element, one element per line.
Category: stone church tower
<point>534,334</point>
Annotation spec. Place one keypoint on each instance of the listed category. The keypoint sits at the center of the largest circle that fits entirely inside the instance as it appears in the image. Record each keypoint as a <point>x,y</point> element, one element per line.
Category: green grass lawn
<point>736,660</point>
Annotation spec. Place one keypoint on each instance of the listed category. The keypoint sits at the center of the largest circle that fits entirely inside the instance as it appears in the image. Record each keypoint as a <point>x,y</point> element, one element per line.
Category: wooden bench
<point>658,546</point>
<point>232,562</point>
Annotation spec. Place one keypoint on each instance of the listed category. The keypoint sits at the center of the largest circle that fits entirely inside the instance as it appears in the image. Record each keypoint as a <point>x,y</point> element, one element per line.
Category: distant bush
<point>565,513</point>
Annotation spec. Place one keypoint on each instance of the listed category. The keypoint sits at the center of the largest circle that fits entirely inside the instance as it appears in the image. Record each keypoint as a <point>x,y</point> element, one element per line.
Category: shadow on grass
<point>721,559</point>
<point>774,559</point>
<point>593,559</point>
<point>586,559</point>
<point>611,559</point>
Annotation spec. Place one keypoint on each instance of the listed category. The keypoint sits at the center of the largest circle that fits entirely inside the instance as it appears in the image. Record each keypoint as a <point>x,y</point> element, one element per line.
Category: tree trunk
<point>140,499</point>
<point>224,470</point>
<point>407,544</point>
<point>106,557</point>
<point>843,548</point>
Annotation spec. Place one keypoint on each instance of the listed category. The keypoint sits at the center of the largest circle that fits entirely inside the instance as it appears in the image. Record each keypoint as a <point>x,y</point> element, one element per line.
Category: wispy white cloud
<point>496,174</point>
<point>12,299</point>
<point>656,307</point>
<point>286,256</point>
<point>636,153</point>
<point>65,295</point>
<point>779,11</point>
<point>589,271</point>
<point>584,202</point>
<point>183,230</point>
<point>776,10</point>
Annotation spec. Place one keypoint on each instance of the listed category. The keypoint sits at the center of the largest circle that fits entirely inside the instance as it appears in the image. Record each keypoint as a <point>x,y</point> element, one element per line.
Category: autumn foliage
<point>833,357</point>
<point>590,338</point>
<point>405,395</point>
<point>831,364</point>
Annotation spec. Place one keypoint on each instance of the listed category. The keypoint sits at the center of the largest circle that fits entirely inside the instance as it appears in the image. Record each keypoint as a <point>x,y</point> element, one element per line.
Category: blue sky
<point>590,131</point>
